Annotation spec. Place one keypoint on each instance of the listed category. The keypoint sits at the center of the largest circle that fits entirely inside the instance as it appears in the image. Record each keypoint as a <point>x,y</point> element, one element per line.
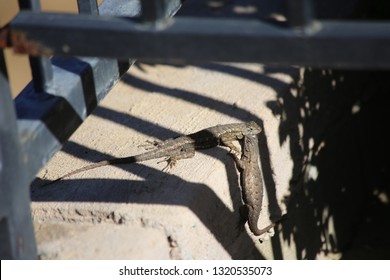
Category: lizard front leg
<point>234,150</point>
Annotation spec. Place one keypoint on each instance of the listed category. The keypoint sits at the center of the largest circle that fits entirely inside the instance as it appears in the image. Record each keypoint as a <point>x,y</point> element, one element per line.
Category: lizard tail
<point>258,231</point>
<point>113,161</point>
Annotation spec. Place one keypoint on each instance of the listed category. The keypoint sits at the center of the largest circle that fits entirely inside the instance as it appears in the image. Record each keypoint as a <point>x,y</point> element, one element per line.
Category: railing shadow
<point>223,223</point>
<point>161,133</point>
<point>231,111</point>
<point>326,114</point>
<point>329,192</point>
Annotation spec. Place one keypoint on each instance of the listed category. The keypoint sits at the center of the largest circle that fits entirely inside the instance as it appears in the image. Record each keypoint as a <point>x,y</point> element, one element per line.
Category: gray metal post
<point>88,7</point>
<point>153,10</point>
<point>16,229</point>
<point>41,69</point>
<point>300,13</point>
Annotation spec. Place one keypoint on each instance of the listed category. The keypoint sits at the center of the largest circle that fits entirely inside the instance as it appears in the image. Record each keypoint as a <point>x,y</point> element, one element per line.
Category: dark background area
<point>336,121</point>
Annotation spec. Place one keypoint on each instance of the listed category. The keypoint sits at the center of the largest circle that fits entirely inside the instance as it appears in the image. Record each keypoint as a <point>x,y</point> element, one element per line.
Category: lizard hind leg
<point>233,149</point>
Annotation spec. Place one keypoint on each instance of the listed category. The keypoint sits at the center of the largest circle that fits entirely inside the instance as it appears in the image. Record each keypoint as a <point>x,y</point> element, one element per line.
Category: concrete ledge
<point>58,241</point>
<point>195,206</point>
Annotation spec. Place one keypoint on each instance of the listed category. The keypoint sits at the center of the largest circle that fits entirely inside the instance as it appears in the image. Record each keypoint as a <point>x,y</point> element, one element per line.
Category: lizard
<point>182,147</point>
<point>251,183</point>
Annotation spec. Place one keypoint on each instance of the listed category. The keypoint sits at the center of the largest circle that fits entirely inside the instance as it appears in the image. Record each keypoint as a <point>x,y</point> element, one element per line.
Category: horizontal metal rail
<point>319,44</point>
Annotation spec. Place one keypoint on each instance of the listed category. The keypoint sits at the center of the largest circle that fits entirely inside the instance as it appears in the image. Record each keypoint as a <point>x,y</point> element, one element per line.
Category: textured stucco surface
<point>195,205</point>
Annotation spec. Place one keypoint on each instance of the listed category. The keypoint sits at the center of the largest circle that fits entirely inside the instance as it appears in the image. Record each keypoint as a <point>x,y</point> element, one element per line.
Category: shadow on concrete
<point>334,123</point>
<point>231,111</point>
<point>84,193</point>
<point>157,188</point>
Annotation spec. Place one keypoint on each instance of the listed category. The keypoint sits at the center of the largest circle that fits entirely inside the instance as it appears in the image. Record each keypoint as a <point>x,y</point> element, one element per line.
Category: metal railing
<point>77,58</point>
<point>63,92</point>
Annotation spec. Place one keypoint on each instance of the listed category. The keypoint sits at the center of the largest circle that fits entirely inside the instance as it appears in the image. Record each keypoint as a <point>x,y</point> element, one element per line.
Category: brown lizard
<point>251,183</point>
<point>182,147</point>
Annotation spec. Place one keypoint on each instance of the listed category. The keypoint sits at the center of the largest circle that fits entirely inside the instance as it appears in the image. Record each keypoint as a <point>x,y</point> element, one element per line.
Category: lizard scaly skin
<point>252,183</point>
<point>182,147</point>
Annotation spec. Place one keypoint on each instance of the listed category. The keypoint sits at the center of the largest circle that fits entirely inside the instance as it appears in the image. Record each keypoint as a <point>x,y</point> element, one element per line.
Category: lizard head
<point>253,128</point>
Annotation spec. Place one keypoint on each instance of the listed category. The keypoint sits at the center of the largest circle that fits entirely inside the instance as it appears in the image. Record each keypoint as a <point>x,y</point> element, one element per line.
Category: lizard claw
<point>267,235</point>
<point>167,168</point>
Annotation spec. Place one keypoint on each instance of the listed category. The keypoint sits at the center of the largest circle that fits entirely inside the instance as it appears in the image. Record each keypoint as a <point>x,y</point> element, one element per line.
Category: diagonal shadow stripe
<point>223,223</point>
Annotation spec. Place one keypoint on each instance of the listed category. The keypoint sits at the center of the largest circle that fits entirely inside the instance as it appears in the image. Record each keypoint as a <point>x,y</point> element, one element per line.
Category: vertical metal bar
<point>41,68</point>
<point>153,10</point>
<point>33,5</point>
<point>300,12</point>
<point>16,229</point>
<point>88,7</point>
